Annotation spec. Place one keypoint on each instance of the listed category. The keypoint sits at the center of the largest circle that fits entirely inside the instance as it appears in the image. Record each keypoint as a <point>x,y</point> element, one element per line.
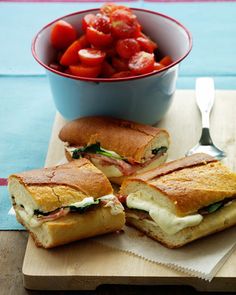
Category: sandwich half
<point>182,200</point>
<point>118,148</point>
<point>65,203</point>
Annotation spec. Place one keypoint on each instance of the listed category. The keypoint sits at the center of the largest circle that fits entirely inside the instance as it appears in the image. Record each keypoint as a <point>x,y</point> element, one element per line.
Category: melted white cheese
<point>166,220</point>
<point>85,202</point>
<point>108,170</point>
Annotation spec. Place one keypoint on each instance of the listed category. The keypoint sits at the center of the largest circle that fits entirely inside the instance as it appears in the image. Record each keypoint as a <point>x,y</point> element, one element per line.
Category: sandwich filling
<point>36,217</point>
<point>149,209</point>
<point>113,164</point>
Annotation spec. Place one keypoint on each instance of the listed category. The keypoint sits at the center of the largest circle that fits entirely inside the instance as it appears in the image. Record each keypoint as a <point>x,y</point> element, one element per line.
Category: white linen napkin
<point>201,258</point>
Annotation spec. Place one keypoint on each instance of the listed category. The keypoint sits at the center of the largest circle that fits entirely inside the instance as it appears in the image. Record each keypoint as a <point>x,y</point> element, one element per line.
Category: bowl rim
<point>33,50</point>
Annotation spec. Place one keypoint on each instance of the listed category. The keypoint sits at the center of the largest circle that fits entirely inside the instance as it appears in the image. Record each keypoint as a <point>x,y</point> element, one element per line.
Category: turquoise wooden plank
<point>26,116</point>
<point>213,27</point>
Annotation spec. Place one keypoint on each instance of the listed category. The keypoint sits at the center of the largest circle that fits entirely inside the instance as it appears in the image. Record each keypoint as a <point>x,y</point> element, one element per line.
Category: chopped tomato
<point>113,45</point>
<point>158,66</point>
<point>141,63</point>
<point>127,47</point>
<point>98,39</point>
<point>56,66</point>
<point>91,56</point>
<point>122,74</point>
<point>101,23</point>
<point>110,51</point>
<point>62,34</point>
<point>146,44</point>
<point>124,24</point>
<point>166,61</point>
<point>107,70</point>
<point>120,64</point>
<point>70,56</point>
<point>87,19</point>
<point>108,8</point>
<point>85,71</point>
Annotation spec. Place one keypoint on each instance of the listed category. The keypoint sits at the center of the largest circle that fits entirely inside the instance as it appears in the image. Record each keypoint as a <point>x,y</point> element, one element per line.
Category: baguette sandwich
<point>118,148</point>
<point>182,200</point>
<point>65,203</point>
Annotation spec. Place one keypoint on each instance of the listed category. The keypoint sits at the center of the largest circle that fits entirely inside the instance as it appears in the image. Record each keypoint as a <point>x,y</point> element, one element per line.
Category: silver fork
<point>205,96</point>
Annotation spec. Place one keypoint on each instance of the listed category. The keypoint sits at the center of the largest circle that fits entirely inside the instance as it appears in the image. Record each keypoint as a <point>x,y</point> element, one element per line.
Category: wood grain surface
<point>68,267</point>
<point>12,250</point>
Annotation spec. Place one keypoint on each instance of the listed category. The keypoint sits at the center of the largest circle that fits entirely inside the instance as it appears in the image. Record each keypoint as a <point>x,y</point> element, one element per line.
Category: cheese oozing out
<point>166,220</point>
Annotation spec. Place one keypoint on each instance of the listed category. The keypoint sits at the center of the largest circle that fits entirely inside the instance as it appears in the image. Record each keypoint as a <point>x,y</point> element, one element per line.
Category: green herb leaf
<point>160,150</point>
<point>94,149</point>
<point>83,208</point>
<point>38,212</point>
<point>214,207</point>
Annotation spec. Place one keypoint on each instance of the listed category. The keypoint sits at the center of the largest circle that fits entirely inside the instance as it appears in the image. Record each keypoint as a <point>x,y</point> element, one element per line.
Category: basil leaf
<point>214,207</point>
<point>72,208</point>
<point>83,208</point>
<point>160,150</point>
<point>94,149</point>
<point>38,212</point>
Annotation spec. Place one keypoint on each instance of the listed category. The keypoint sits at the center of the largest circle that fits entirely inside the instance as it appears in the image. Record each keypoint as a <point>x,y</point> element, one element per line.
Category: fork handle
<point>205,96</point>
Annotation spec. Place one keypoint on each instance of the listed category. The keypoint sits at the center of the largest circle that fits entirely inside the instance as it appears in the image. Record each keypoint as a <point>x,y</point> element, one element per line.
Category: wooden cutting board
<point>85,265</point>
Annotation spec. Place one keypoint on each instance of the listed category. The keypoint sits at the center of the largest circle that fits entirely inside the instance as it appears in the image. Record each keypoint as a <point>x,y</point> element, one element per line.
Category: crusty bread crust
<point>75,226</point>
<point>187,184</point>
<point>58,186</point>
<point>129,139</point>
<point>211,223</point>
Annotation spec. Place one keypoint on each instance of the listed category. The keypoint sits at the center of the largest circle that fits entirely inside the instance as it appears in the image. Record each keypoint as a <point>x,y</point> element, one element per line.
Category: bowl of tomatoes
<point>113,61</point>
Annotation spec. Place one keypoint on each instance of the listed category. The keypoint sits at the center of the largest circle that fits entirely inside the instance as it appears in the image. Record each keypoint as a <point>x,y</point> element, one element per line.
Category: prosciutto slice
<point>125,168</point>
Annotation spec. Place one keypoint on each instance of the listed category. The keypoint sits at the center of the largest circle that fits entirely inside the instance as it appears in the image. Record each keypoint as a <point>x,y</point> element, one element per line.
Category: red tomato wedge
<point>91,56</point>
<point>101,23</point>
<point>122,74</point>
<point>110,51</point>
<point>124,24</point>
<point>85,71</point>
<point>120,64</point>
<point>127,47</point>
<point>158,66</point>
<point>56,67</point>
<point>141,63</point>
<point>62,34</point>
<point>98,39</point>
<point>108,8</point>
<point>146,44</point>
<point>166,60</point>
<point>71,56</point>
<point>86,21</point>
<point>107,70</point>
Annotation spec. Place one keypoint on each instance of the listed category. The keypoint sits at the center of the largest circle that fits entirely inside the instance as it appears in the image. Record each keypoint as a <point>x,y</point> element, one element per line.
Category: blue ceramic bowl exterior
<point>143,99</point>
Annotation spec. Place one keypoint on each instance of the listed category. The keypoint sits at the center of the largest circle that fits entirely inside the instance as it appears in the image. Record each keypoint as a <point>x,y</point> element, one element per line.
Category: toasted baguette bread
<point>177,196</point>
<point>65,203</point>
